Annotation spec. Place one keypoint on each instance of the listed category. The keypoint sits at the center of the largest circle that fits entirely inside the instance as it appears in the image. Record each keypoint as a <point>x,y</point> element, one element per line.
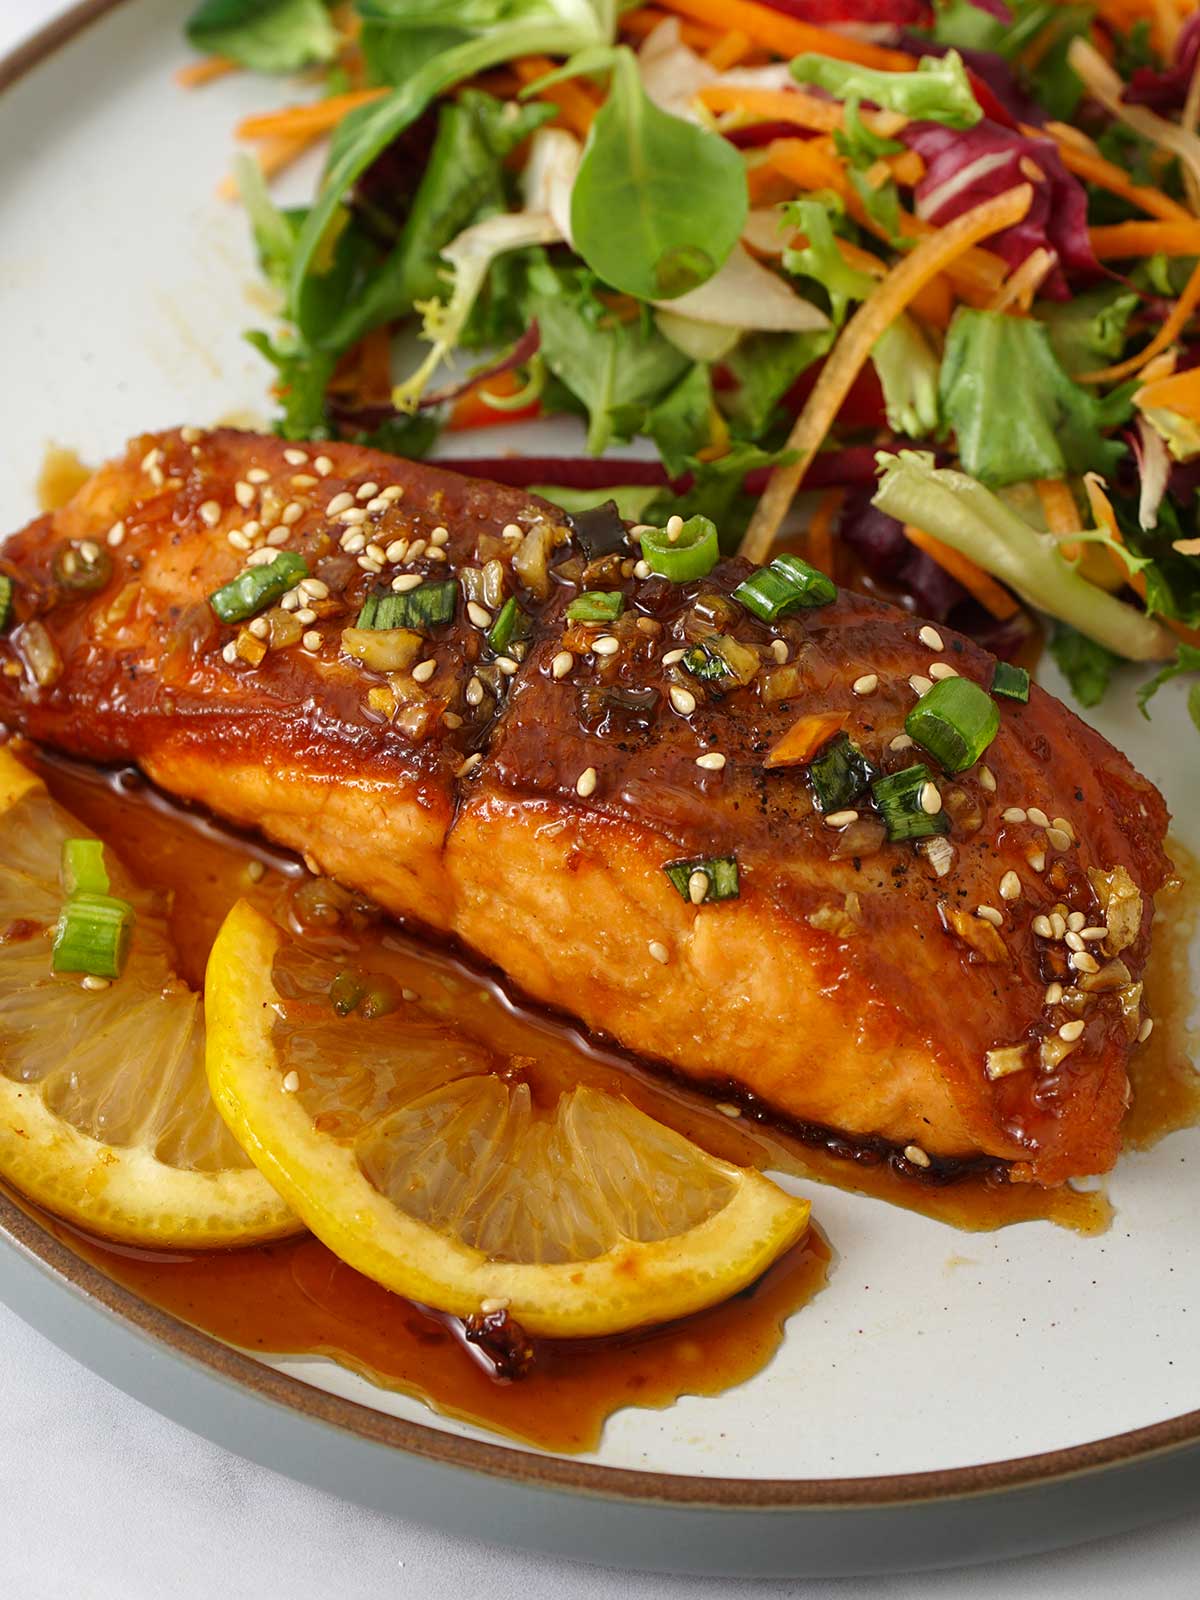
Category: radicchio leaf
<point>1166,90</point>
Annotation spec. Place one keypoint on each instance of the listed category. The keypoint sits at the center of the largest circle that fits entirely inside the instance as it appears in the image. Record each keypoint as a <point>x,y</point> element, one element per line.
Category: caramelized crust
<point>528,803</point>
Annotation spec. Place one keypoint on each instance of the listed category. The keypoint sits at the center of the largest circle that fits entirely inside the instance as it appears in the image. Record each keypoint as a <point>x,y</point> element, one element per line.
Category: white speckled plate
<point>894,1427</point>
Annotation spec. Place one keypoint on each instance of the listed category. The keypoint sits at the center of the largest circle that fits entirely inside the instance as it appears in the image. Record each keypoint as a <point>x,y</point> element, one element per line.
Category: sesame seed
<point>366,491</point>
<point>697,887</point>
<point>452,719</point>
<point>368,564</point>
<point>1037,860</point>
<point>711,761</point>
<point>323,466</point>
<point>931,799</point>
<point>1070,1031</point>
<point>312,639</point>
<point>238,539</point>
<point>290,600</point>
<point>291,1082</point>
<point>1064,826</point>
<point>339,502</point>
<point>727,1110</point>
<point>562,664</point>
<point>1073,941</point>
<point>512,530</point>
<point>378,504</point>
<point>605,645</point>
<point>434,554</point>
<point>1058,924</point>
<point>840,819</point>
<point>469,765</point>
<point>492,1305</point>
<point>779,650</point>
<point>1057,839</point>
<point>585,783</point>
<point>257,475</point>
<point>1076,920</point>
<point>306,615</point>
<point>919,684</point>
<point>416,548</point>
<point>94,983</point>
<point>1146,1029</point>
<point>473,693</point>
<point>278,536</point>
<point>931,637</point>
<point>641,569</point>
<point>255,871</point>
<point>650,626</point>
<point>1054,994</point>
<point>441,536</point>
<point>304,480</point>
<point>659,951</point>
<point>260,558</point>
<point>1093,934</point>
<point>377,554</point>
<point>260,627</point>
<point>987,779</point>
<point>1082,962</point>
<point>1041,926</point>
<point>674,528</point>
<point>353,518</point>
<point>683,700</point>
<point>397,550</point>
<point>210,513</point>
<point>902,741</point>
<point>672,656</point>
<point>244,494</point>
<point>506,665</point>
<point>917,1156</point>
<point>867,684</point>
<point>394,491</point>
<point>424,670</point>
<point>1010,886</point>
<point>405,582</point>
<point>1015,814</point>
<point>292,512</point>
<point>229,653</point>
<point>1038,817</point>
<point>990,914</point>
<point>314,588</point>
<point>116,535</point>
<point>353,542</point>
<point>479,615</point>
<point>942,669</point>
<point>295,458</point>
<point>191,435</point>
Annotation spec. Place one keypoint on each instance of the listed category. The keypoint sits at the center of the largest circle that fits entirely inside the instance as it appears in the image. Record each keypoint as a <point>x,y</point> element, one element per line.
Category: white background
<point>103,1498</point>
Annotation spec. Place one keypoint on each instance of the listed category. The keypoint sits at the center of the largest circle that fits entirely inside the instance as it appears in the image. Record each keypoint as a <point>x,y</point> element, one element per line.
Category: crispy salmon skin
<point>973,994</point>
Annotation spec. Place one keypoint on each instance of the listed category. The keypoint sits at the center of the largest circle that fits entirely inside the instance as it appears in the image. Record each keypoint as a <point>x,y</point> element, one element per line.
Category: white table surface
<point>104,1499</point>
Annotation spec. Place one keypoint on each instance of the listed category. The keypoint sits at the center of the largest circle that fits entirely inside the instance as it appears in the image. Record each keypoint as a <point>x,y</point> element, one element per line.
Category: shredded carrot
<point>274,157</point>
<point>805,737</point>
<point>792,105</point>
<point>1105,517</point>
<point>642,23</point>
<point>907,168</point>
<point>810,164</point>
<point>319,116</point>
<point>1105,175</point>
<point>1178,392</point>
<point>728,51</point>
<point>1121,241</point>
<point>1172,327</point>
<point>785,35</point>
<point>206,71</point>
<point>820,529</point>
<point>980,585</point>
<point>576,107</point>
<point>1061,513</point>
<point>880,309</point>
<point>1024,281</point>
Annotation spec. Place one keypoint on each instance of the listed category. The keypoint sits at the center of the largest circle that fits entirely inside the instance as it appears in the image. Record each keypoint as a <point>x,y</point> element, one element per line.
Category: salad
<point>923,278</point>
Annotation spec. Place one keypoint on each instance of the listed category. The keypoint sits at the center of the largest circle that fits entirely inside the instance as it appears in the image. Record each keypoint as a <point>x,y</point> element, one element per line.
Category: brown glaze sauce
<point>296,1298</point>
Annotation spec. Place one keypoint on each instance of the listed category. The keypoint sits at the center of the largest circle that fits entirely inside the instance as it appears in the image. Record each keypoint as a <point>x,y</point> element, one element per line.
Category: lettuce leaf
<point>1089,331</point>
<point>821,260</point>
<point>908,370</point>
<point>766,365</point>
<point>1187,660</point>
<point>938,91</point>
<point>302,378</point>
<point>265,35</point>
<point>1086,665</point>
<point>681,422</point>
<point>1015,413</point>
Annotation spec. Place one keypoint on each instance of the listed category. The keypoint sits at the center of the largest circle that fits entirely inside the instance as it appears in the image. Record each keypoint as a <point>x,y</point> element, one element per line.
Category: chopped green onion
<point>955,721</point>
<point>81,867</point>
<point>899,798</point>
<point>93,935</point>
<point>596,606</point>
<point>706,664</point>
<point>257,588</point>
<point>788,584</point>
<point>6,602</point>
<point>82,567</point>
<point>1011,682</point>
<point>693,553</point>
<point>840,773</point>
<point>511,624</point>
<point>427,606</point>
<point>720,656</point>
<point>721,873</point>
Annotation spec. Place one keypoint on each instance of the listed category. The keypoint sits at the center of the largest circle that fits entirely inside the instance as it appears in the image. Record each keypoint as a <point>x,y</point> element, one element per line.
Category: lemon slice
<point>105,1115</point>
<point>421,1166</point>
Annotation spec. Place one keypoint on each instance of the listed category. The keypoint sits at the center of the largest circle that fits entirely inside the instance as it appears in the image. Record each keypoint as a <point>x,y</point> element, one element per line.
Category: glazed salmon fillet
<point>973,994</point>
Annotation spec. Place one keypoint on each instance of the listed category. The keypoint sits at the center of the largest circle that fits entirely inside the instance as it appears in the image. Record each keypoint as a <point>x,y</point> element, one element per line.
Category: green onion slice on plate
<point>1010,682</point>
<point>902,800</point>
<point>705,878</point>
<point>427,606</point>
<point>788,584</point>
<point>82,867</point>
<point>840,774</point>
<point>955,721</point>
<point>692,553</point>
<point>93,935</point>
<point>597,605</point>
<point>257,588</point>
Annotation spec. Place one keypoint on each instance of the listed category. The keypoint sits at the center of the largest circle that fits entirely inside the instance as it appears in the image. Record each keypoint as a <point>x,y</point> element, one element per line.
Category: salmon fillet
<point>527,802</point>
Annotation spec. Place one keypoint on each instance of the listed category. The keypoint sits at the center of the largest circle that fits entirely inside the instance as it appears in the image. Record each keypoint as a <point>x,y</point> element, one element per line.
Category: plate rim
<point>537,1469</point>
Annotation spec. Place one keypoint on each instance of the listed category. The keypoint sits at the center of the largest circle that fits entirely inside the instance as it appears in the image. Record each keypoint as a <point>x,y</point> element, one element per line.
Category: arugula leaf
<point>1089,330</point>
<point>264,35</point>
<point>1187,660</point>
<point>766,365</point>
<point>681,422</point>
<point>938,91</point>
<point>1172,579</point>
<point>908,371</point>
<point>506,29</point>
<point>967,26</point>
<point>1086,665</point>
<point>616,369</point>
<point>821,260</point>
<point>303,377</point>
<point>658,203</point>
<point>1014,411</point>
<point>412,437</point>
